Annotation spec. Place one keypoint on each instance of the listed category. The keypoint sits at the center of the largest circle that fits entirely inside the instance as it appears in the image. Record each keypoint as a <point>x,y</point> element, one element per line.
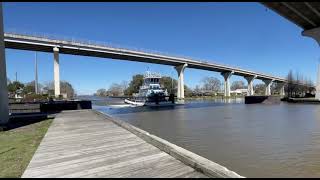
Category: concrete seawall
<point>262,99</point>
<point>197,162</point>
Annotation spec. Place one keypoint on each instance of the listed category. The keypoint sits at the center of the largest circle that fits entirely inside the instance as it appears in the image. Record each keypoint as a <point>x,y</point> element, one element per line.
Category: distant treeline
<point>128,89</point>
<point>298,85</point>
<point>27,91</point>
<point>209,86</point>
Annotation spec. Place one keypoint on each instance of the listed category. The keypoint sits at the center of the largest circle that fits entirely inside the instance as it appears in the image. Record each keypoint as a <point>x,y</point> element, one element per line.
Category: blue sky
<point>245,35</point>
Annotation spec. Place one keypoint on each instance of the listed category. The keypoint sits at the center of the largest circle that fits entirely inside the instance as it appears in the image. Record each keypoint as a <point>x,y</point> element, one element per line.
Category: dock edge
<point>189,158</point>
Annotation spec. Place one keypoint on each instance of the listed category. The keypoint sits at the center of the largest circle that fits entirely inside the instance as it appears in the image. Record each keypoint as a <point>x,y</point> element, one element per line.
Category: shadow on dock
<point>18,120</point>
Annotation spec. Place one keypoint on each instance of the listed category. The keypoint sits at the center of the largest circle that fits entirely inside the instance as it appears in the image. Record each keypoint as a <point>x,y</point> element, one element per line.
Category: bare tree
<point>124,85</point>
<point>101,92</point>
<point>298,85</point>
<point>290,86</point>
<point>259,89</point>
<point>237,85</point>
<point>197,89</point>
<point>116,90</point>
<point>211,84</point>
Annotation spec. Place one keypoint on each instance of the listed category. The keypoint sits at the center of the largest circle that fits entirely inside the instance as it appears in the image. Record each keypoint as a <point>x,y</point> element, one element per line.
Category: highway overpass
<point>57,46</point>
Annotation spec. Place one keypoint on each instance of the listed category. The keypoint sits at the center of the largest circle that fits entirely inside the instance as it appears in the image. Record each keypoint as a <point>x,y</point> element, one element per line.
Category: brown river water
<point>256,140</point>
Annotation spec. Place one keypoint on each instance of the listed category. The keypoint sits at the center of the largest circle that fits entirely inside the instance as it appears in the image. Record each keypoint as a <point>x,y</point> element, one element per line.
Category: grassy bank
<point>17,147</point>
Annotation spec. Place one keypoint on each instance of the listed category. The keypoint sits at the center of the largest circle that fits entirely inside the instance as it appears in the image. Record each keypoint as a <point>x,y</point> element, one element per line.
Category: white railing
<point>105,44</point>
<point>55,37</point>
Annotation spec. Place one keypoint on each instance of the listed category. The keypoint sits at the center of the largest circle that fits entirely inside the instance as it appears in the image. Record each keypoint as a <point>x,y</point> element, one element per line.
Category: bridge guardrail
<point>98,44</point>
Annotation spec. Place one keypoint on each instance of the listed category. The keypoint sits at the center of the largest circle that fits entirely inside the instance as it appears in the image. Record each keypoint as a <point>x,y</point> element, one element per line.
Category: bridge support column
<point>226,76</point>
<point>318,84</point>
<point>180,71</point>
<point>250,84</point>
<point>268,86</point>
<point>4,109</point>
<point>315,34</point>
<point>56,71</point>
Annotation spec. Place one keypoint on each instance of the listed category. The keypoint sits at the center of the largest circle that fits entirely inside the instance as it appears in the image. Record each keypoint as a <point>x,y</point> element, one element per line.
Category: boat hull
<point>153,104</point>
<point>135,103</point>
<point>146,103</point>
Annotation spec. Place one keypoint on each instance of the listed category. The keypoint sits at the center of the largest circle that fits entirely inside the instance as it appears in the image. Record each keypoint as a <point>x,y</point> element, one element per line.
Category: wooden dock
<point>83,144</point>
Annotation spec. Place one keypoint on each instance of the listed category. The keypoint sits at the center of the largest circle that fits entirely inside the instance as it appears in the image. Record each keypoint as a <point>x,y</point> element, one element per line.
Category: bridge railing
<point>60,38</point>
<point>110,45</point>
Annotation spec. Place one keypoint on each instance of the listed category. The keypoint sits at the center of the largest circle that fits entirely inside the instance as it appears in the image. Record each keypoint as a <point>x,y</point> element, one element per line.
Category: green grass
<point>17,147</point>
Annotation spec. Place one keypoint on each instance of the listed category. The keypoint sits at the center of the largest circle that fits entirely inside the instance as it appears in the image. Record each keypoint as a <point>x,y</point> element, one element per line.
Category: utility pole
<point>171,83</point>
<point>16,76</point>
<point>36,74</point>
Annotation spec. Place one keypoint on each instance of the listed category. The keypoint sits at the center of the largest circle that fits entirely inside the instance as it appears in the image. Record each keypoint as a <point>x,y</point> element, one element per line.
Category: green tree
<point>134,85</point>
<point>14,86</point>
<point>169,84</point>
<point>29,88</point>
<point>166,82</point>
<point>65,88</point>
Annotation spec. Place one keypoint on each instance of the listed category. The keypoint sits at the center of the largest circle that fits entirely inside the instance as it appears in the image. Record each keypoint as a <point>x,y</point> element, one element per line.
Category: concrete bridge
<point>57,46</point>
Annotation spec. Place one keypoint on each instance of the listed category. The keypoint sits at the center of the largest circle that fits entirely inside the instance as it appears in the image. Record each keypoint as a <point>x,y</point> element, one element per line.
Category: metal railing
<point>107,44</point>
<point>79,41</point>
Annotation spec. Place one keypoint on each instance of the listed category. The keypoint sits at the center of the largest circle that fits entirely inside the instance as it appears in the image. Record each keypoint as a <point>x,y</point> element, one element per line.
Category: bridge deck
<point>83,144</point>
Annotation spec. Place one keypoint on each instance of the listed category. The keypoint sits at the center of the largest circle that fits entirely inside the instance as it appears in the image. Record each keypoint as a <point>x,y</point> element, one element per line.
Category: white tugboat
<point>151,93</point>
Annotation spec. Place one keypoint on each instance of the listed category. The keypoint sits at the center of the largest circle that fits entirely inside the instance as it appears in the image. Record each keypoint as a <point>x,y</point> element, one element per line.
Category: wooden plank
<point>70,156</point>
<point>96,154</point>
<point>193,174</point>
<point>130,170</point>
<point>83,144</point>
<point>86,163</point>
<point>121,163</point>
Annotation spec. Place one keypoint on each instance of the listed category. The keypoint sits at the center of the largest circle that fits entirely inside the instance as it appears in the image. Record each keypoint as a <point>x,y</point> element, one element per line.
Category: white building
<point>240,92</point>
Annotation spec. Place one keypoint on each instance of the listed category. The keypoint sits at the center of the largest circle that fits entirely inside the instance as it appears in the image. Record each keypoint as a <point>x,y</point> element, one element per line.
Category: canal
<point>279,140</point>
